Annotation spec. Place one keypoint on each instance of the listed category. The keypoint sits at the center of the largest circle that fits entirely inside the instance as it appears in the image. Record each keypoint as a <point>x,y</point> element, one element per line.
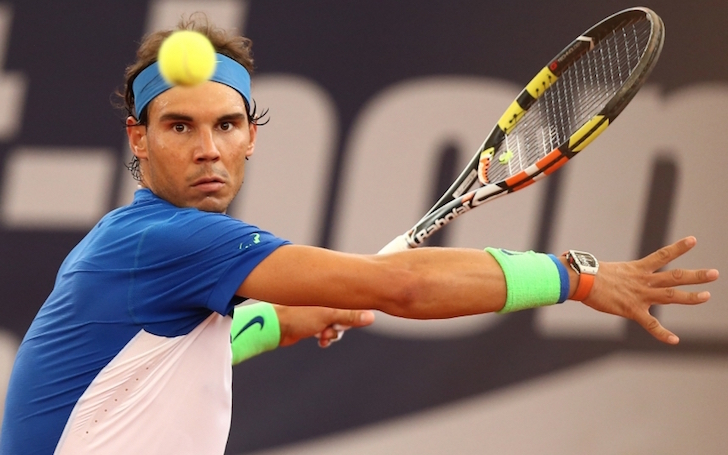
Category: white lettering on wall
<point>60,188</point>
<point>390,156</point>
<point>605,196</point>
<point>13,85</point>
<point>226,14</point>
<point>391,150</point>
<point>8,347</point>
<point>692,125</point>
<point>287,177</point>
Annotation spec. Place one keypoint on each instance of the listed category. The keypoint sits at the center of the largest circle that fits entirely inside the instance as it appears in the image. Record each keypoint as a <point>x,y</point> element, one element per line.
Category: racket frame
<point>459,199</point>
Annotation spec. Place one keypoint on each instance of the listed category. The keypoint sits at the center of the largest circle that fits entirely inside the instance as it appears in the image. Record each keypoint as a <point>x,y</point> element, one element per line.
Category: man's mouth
<point>208,184</point>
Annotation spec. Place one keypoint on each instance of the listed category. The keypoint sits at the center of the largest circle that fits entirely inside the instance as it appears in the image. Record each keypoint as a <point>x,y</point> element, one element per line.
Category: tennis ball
<point>186,58</point>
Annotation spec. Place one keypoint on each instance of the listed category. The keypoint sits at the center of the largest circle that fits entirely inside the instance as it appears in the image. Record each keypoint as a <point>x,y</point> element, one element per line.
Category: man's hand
<point>629,289</point>
<point>325,323</point>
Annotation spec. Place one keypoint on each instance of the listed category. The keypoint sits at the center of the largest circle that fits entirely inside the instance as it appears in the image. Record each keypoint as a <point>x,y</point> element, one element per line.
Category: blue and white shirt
<point>131,351</point>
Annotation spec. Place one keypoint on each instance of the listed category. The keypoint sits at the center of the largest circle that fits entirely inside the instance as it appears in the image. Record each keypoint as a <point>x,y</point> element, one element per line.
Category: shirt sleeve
<point>192,264</point>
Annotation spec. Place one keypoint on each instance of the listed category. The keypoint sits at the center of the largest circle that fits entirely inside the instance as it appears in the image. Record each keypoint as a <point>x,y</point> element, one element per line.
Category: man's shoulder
<point>154,222</point>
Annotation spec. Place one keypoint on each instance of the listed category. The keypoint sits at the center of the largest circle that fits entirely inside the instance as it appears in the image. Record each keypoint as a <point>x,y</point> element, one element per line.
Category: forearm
<point>430,283</point>
<point>522,280</point>
<point>424,283</point>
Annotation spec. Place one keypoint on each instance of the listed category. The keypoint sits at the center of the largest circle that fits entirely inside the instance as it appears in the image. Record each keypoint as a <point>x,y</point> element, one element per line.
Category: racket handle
<point>398,244</point>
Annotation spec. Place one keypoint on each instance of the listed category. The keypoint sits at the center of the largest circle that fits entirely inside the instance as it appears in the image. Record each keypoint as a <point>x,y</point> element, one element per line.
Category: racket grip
<point>398,244</point>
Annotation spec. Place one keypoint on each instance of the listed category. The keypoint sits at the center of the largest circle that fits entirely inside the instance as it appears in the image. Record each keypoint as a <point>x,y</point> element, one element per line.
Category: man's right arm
<point>435,283</point>
<point>426,283</point>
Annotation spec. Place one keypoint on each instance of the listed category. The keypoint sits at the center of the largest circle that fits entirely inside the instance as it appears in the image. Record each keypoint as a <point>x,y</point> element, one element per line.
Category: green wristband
<point>255,330</point>
<point>532,279</point>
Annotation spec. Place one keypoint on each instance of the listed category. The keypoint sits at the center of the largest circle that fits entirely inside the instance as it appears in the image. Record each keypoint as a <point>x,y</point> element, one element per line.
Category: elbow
<point>403,295</point>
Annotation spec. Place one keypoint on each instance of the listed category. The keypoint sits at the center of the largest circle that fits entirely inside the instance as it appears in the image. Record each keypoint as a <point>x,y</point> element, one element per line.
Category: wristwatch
<point>586,266</point>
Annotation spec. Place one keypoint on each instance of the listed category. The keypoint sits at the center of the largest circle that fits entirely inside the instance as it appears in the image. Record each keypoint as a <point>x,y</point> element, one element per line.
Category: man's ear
<point>137,135</point>
<point>251,145</point>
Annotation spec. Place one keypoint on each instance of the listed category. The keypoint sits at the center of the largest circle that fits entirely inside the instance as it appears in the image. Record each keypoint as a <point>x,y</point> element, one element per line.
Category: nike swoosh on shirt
<point>252,322</point>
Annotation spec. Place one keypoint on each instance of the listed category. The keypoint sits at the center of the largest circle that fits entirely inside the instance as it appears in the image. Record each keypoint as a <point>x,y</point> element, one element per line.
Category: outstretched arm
<point>432,283</point>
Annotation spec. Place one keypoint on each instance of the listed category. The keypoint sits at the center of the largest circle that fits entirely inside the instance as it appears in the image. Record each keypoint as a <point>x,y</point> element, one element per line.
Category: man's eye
<point>180,128</point>
<point>226,126</point>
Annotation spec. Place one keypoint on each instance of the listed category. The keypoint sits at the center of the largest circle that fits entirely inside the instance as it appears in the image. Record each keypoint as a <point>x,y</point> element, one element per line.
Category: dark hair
<point>236,47</point>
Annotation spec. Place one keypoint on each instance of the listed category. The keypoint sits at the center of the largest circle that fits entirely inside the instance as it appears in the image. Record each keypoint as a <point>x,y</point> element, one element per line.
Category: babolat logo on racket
<point>420,236</point>
<point>465,206</point>
<point>459,206</point>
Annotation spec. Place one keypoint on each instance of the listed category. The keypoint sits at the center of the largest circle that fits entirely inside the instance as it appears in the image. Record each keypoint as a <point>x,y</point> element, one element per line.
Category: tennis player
<point>131,352</point>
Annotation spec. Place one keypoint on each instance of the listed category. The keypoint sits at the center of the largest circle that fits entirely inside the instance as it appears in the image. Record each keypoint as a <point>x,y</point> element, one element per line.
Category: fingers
<point>669,253</point>
<point>680,277</point>
<point>670,295</point>
<point>653,326</point>
<point>345,319</point>
<point>664,291</point>
<point>331,334</point>
<point>645,286</point>
<point>349,318</point>
<point>354,318</point>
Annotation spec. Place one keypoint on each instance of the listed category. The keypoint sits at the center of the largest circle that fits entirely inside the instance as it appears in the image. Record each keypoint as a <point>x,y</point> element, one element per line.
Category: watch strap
<point>586,274</point>
<point>586,281</point>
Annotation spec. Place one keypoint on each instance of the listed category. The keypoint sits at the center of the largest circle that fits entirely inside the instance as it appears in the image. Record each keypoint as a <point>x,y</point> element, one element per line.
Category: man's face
<point>192,151</point>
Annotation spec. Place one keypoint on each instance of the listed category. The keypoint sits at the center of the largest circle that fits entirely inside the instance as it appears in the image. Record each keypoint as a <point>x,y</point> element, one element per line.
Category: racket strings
<point>581,92</point>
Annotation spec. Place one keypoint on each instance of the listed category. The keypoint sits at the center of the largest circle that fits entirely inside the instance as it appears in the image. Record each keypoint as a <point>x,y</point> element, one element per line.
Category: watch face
<point>586,259</point>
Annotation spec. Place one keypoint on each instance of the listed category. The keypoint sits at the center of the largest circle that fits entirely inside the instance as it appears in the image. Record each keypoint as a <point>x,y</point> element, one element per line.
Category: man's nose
<point>207,150</point>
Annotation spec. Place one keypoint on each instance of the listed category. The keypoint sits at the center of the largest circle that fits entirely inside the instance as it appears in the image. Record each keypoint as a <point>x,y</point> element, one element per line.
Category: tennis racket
<point>562,110</point>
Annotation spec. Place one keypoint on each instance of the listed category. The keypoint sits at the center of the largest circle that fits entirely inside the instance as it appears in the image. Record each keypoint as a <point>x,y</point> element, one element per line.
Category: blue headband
<point>149,83</point>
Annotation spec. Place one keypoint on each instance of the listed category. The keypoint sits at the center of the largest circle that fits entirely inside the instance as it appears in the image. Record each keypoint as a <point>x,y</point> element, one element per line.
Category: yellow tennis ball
<point>186,58</point>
